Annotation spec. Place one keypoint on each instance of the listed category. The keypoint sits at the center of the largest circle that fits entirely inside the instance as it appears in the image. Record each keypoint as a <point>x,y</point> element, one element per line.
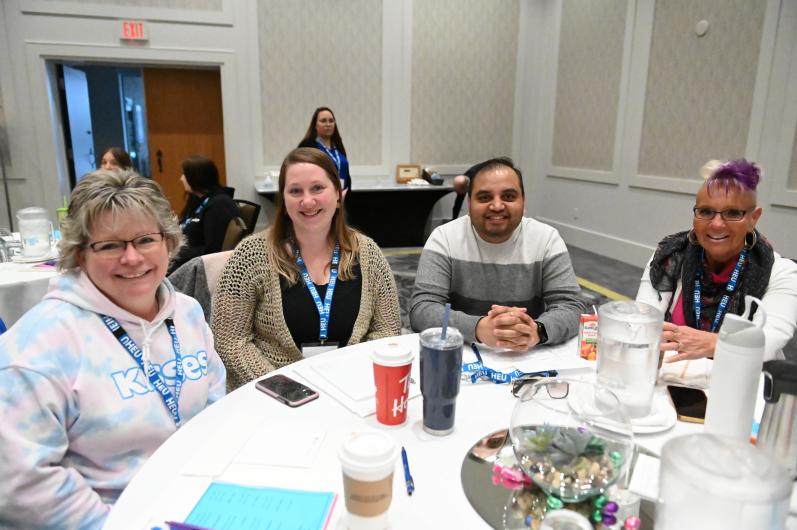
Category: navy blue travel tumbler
<point>441,366</point>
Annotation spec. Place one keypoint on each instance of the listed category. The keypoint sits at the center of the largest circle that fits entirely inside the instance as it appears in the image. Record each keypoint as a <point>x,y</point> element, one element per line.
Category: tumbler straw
<point>445,323</point>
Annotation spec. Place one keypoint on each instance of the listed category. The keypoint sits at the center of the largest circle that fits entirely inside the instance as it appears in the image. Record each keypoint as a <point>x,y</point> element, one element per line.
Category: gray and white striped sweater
<point>531,269</point>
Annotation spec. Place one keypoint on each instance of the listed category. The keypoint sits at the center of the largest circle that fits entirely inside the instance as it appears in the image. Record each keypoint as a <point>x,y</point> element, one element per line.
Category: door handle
<point>159,155</point>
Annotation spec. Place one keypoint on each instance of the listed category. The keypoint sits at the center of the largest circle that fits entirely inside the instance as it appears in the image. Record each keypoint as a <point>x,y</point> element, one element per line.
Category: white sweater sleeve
<point>780,304</point>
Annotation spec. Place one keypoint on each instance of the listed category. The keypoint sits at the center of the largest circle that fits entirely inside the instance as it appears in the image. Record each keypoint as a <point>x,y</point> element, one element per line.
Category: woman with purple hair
<point>696,277</point>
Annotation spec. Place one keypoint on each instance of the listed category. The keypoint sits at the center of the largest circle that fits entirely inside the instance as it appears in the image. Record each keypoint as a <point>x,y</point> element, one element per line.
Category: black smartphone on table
<point>690,403</point>
<point>284,389</point>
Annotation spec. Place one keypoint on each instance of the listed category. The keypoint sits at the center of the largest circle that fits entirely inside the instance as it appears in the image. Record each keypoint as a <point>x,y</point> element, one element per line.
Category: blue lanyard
<point>324,309</point>
<point>333,153</point>
<point>477,370</point>
<point>197,212</point>
<point>156,380</point>
<point>730,287</point>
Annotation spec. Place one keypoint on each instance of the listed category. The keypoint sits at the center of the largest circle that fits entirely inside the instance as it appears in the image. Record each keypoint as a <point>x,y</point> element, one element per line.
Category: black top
<point>205,229</point>
<point>301,314</point>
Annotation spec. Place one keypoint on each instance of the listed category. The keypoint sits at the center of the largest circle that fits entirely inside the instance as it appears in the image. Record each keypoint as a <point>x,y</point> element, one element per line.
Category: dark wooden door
<point>184,117</point>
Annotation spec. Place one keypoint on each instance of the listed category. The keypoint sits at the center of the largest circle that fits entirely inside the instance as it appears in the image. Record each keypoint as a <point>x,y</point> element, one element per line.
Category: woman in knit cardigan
<point>274,302</point>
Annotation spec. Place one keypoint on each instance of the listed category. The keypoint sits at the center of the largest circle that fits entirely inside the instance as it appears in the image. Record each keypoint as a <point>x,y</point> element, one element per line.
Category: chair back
<point>236,230</point>
<point>249,212</point>
<point>214,265</point>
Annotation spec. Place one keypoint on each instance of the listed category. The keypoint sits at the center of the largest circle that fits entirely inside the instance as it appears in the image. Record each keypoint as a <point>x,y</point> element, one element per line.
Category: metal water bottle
<point>778,431</point>
<point>735,374</point>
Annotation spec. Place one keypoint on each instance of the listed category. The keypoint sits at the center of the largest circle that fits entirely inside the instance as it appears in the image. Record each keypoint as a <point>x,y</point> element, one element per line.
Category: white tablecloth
<point>21,287</point>
<point>212,444</point>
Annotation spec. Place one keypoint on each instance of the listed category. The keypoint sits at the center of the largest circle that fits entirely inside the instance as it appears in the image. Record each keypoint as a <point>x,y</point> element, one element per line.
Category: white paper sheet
<point>348,378</point>
<point>212,458</point>
<point>294,444</point>
<point>645,480</point>
<point>560,357</point>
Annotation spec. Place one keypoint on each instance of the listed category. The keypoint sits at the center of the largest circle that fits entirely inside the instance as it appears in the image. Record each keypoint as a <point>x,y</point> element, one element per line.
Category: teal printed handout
<point>231,507</point>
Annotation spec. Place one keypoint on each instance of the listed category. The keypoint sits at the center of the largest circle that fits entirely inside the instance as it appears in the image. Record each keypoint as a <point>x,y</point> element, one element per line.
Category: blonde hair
<point>281,235</point>
<point>115,191</point>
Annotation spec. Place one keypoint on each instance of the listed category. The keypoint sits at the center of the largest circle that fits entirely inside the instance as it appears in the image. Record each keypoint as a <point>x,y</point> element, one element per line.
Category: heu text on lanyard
<point>171,401</point>
<point>730,287</point>
<point>325,308</point>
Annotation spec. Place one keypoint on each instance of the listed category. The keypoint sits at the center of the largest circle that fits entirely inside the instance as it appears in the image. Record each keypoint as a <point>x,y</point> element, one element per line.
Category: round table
<point>22,286</point>
<point>171,482</point>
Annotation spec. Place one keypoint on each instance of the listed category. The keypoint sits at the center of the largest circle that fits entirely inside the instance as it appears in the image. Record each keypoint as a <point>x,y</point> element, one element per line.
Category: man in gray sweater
<point>508,278</point>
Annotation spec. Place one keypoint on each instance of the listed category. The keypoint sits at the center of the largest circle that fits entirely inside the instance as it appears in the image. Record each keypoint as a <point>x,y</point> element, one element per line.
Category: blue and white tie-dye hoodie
<point>79,418</point>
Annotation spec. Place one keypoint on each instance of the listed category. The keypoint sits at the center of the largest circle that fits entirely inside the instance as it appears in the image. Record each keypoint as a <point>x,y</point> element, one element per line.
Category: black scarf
<point>676,258</point>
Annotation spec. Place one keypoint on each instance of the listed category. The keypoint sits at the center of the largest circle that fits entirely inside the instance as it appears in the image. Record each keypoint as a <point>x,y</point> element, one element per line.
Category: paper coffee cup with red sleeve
<point>392,365</point>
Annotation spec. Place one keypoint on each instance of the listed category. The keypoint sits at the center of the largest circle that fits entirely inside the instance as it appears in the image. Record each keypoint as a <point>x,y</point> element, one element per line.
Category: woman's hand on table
<point>689,343</point>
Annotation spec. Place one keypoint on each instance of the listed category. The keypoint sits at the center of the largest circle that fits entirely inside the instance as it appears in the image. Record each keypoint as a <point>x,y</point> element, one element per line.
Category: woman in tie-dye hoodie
<point>106,367</point>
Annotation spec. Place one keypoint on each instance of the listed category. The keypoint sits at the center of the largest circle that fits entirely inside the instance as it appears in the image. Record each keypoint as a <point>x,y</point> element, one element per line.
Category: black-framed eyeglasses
<point>707,214</point>
<point>557,389</point>
<point>114,248</point>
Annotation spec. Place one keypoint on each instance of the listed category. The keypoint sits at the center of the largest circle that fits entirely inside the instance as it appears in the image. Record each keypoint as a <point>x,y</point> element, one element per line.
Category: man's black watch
<point>541,332</point>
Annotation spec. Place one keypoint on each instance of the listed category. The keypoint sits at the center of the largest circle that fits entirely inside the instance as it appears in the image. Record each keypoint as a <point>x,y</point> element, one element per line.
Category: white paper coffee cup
<point>368,460</point>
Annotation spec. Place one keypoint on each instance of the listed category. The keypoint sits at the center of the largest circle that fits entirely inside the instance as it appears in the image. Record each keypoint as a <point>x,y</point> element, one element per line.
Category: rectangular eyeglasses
<point>114,248</point>
<point>707,214</point>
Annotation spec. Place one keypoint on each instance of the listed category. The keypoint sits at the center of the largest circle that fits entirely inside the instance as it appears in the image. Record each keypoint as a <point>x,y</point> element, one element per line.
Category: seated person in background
<point>208,210</point>
<point>115,158</point>
<point>323,134</point>
<point>702,262</point>
<point>461,183</point>
<point>508,278</point>
<point>81,413</point>
<point>278,286</point>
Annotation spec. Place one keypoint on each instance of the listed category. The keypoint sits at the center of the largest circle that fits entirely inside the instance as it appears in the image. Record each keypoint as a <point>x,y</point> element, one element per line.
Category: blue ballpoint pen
<point>407,476</point>
<point>476,351</point>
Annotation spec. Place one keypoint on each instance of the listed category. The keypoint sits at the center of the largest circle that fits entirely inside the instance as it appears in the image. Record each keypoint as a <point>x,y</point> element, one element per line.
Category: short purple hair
<point>737,175</point>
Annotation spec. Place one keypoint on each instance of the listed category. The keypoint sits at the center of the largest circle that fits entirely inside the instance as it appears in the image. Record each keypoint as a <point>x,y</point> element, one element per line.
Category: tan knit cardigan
<point>251,335</point>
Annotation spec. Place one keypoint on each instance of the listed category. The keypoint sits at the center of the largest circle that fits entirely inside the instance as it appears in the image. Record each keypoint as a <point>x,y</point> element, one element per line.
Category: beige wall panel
<point>4,150</point>
<point>321,54</point>
<point>699,89</point>
<point>792,181</point>
<point>463,79</point>
<point>588,83</point>
<point>198,5</point>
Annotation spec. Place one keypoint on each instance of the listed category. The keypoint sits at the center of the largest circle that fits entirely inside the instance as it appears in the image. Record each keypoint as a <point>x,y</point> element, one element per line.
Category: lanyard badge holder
<point>325,308</point>
<point>730,287</point>
<point>170,400</point>
<point>478,370</point>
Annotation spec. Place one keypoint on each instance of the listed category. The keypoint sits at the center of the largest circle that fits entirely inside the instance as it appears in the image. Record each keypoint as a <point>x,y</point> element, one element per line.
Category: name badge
<point>309,349</point>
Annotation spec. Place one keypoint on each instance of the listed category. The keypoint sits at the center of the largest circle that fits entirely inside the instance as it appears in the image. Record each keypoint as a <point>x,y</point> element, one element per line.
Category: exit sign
<point>133,30</point>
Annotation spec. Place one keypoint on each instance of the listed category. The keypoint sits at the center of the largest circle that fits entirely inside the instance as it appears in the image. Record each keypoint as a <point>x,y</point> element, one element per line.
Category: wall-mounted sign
<point>133,30</point>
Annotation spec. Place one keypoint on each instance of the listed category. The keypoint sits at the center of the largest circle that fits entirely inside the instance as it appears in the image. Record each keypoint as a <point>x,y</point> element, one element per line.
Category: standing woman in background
<point>208,210</point>
<point>307,280</point>
<point>323,134</point>
<point>115,158</point>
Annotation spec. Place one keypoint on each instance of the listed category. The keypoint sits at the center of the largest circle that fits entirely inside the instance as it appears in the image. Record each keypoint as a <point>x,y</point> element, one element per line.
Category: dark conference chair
<point>249,212</point>
<point>236,231</point>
